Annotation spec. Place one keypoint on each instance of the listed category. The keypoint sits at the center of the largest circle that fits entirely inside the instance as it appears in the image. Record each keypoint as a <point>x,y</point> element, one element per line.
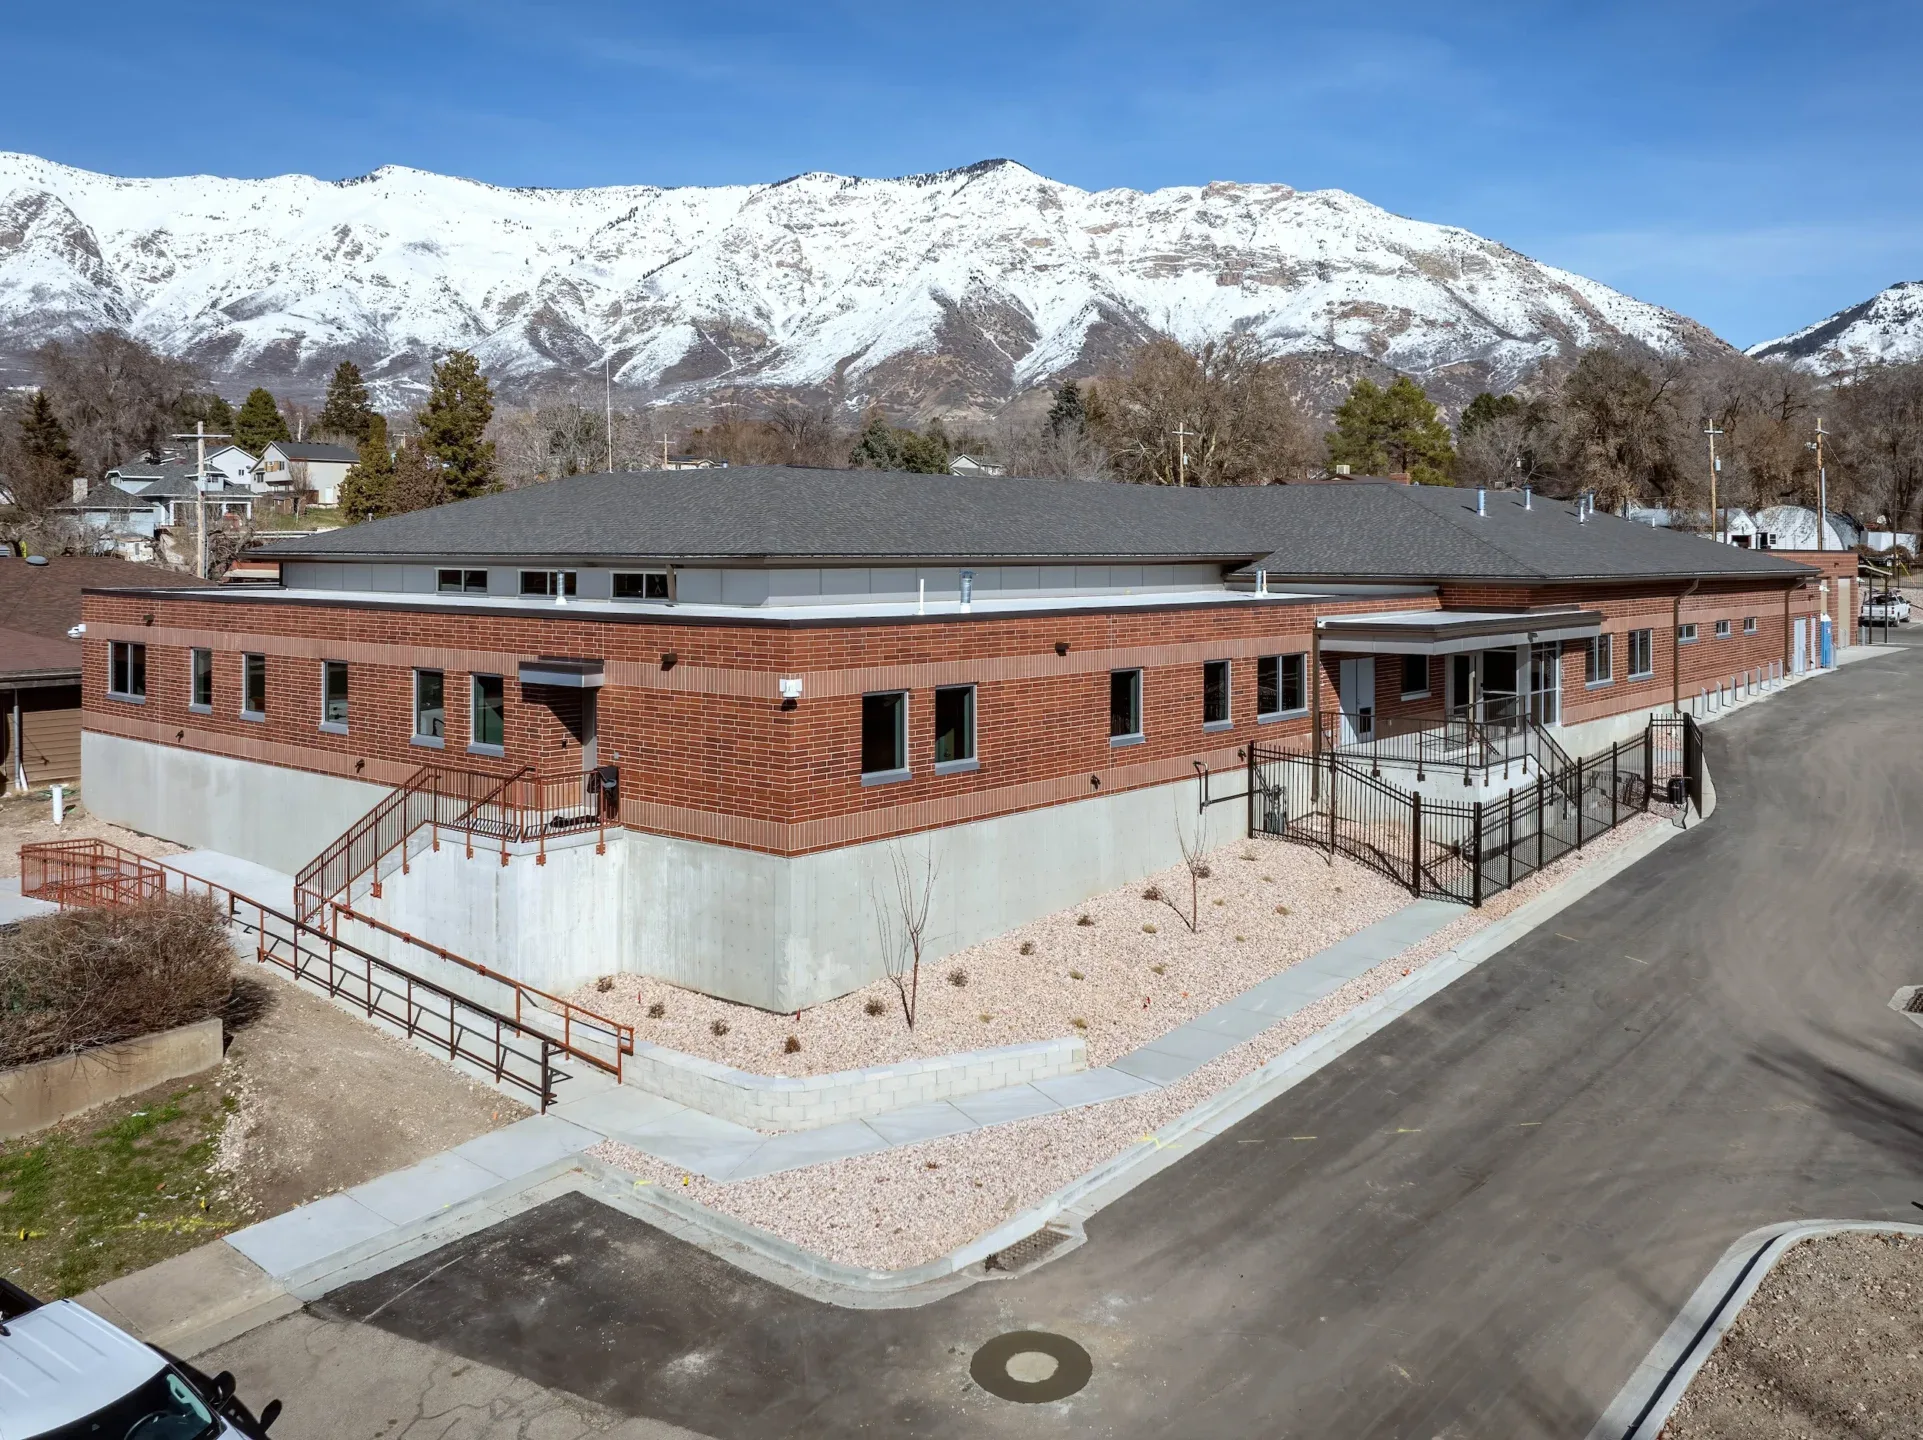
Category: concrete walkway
<point>15,907</point>
<point>323,1237</point>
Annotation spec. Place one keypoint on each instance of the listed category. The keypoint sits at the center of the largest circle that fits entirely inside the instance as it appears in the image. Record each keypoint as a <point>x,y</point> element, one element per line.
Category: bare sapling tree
<point>901,920</point>
<point>1193,841</point>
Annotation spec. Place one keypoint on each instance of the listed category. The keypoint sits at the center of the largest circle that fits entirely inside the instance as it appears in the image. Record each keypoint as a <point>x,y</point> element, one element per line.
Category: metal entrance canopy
<point>1450,632</point>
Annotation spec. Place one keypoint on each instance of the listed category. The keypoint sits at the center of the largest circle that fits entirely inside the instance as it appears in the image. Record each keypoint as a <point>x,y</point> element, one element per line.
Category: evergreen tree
<point>366,486</point>
<point>347,412</point>
<point>877,448</point>
<point>927,453</point>
<point>883,447</point>
<point>208,409</point>
<point>454,426</point>
<point>219,416</point>
<point>47,461</point>
<point>1397,430</point>
<point>420,480</point>
<point>259,423</point>
<point>1069,414</point>
<point>1485,408</point>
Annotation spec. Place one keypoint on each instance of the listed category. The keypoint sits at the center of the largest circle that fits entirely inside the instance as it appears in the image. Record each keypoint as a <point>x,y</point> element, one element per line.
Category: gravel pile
<point>1826,1347</point>
<point>906,1206</point>
<point>1133,972</point>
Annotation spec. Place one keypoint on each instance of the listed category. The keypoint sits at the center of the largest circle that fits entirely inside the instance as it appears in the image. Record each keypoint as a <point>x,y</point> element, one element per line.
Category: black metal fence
<point>1467,850</point>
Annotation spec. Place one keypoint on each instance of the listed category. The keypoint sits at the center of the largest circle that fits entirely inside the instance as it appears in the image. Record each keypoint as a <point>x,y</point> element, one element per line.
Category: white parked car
<point>66,1374</point>
<point>1886,609</point>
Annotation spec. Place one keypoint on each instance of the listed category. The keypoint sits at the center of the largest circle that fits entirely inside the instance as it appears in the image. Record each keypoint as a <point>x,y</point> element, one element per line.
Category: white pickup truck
<point>1884,609</point>
<point>66,1374</point>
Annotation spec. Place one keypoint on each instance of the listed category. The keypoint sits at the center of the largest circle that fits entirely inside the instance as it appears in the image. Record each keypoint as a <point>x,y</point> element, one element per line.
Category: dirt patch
<point>1119,969</point>
<point>1826,1347</point>
<point>326,1101</point>
<point>29,818</point>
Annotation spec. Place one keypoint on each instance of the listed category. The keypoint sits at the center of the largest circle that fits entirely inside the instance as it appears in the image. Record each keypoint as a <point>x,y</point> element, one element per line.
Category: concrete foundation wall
<point>271,815</point>
<point>781,933</point>
<point>33,1097</point>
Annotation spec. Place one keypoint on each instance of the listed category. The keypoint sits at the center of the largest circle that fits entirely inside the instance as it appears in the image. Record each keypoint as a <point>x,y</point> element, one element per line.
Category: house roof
<point>1386,531</point>
<point>25,657</point>
<point>314,450</point>
<point>179,484</point>
<point>781,513</point>
<point>44,600</point>
<point>108,496</point>
<point>774,514</point>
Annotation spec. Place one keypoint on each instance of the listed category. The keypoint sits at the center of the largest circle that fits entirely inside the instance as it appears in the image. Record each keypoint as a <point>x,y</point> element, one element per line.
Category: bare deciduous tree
<point>117,396</point>
<point>1243,422</point>
<point>901,920</point>
<point>1193,842</point>
<point>1879,441</point>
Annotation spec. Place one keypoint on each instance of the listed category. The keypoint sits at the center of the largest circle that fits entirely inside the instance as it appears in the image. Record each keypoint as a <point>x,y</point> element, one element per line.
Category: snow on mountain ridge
<point>1887,328</point>
<point>952,289</point>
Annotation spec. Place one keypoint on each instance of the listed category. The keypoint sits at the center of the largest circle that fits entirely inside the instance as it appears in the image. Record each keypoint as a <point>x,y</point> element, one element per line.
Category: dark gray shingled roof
<point>1421,532</point>
<point>774,512</point>
<point>779,513</point>
<point>314,450</point>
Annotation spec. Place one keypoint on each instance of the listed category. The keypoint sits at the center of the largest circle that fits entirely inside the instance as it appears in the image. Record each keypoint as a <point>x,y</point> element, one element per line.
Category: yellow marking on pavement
<point>1302,1137</point>
<point>1525,1124</point>
<point>1561,936</point>
<point>1637,958</point>
<point>1416,1131</point>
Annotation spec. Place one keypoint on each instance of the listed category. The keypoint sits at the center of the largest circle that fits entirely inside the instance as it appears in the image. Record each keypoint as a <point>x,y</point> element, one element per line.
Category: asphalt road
<point>1507,1196</point>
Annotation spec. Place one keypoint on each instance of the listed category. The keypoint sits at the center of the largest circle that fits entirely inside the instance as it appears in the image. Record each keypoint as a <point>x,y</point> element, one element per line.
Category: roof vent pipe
<point>1482,501</point>
<point>1526,498</point>
<point>1582,510</point>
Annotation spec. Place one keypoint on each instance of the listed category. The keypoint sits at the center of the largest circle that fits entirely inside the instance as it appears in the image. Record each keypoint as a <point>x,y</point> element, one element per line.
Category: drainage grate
<point>1031,1367</point>
<point>1028,1251</point>
<point>1914,1006</point>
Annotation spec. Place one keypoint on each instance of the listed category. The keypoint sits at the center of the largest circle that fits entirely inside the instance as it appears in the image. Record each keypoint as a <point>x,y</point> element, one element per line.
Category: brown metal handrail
<point>98,872</point>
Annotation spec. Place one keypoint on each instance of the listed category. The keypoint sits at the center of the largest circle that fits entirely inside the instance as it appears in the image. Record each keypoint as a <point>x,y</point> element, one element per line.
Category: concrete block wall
<point>781,1102</point>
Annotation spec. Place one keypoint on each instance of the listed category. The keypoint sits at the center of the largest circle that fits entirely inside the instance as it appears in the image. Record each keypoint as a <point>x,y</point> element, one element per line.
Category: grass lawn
<point>117,1189</point>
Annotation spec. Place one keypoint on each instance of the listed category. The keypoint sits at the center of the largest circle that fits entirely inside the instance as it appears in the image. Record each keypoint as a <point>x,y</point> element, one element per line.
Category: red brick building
<point>777,672</point>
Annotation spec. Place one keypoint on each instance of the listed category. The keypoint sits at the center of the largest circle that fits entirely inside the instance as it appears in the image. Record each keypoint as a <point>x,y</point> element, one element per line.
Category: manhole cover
<point>1031,1367</point>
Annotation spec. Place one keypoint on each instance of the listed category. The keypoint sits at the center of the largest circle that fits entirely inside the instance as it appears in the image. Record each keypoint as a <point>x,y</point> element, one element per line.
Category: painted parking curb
<point>1643,1405</point>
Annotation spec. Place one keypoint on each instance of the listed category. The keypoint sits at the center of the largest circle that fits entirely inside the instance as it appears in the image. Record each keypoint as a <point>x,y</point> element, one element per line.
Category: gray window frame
<point>1428,685</point>
<point>616,578</point>
<point>253,665</point>
<point>960,764</point>
<point>1687,633</point>
<point>200,665</point>
<point>1133,678</point>
<point>1749,624</point>
<point>1645,640</point>
<point>475,744</point>
<point>901,769</point>
<point>569,582</point>
<point>127,661</point>
<point>420,712</point>
<point>1599,661</point>
<point>1227,670</point>
<point>1300,666</point>
<point>329,669</point>
<point>463,582</point>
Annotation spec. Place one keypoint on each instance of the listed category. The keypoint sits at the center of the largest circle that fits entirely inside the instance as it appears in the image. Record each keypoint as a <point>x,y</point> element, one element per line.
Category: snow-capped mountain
<point>934,291</point>
<point>1887,328</point>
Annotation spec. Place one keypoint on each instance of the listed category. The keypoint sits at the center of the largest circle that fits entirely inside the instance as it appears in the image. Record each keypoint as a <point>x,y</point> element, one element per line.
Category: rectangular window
<point>127,670</point>
<point>463,582</point>
<point>1722,629</point>
<point>334,695</point>
<point>490,713</point>
<point>1642,654</point>
<point>1215,693</point>
<point>1599,664</point>
<point>201,688</point>
<point>1749,624</point>
<point>430,707</point>
<point>1278,685</point>
<point>1124,706</point>
<point>884,736</point>
<point>1415,676</point>
<point>955,726</point>
<point>547,582</point>
<point>1685,634</point>
<point>253,686</point>
<point>640,584</point>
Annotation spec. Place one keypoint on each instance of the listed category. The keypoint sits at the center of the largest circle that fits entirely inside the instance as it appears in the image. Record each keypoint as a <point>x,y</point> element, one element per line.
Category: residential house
<point>744,692</point>
<point>291,467</point>
<point>969,465</point>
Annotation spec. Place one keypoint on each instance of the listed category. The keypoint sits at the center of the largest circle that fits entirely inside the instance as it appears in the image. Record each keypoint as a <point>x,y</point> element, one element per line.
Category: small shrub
<point>874,1007</point>
<point>1268,879</point>
<point>1218,901</point>
<point>1085,920</point>
<point>931,1164</point>
<point>1148,929</point>
<point>1159,968</point>
<point>1154,892</point>
<point>1282,910</point>
<point>986,1017</point>
<point>1079,1023</point>
<point>658,1010</point>
<point>1202,872</point>
<point>604,984</point>
<point>1248,854</point>
<point>958,977</point>
<point>1028,947</point>
<point>792,1045</point>
<point>717,1028</point>
<point>1074,974</point>
<point>1338,889</point>
<point>1239,939</point>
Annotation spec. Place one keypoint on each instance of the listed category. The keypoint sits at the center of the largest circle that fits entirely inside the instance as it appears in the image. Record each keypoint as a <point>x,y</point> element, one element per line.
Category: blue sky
<point>1753,165</point>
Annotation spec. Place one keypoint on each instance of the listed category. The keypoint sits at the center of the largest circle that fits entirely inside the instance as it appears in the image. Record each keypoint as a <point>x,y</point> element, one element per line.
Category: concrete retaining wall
<point>271,815</point>
<point>35,1096</point>
<point>781,1102</point>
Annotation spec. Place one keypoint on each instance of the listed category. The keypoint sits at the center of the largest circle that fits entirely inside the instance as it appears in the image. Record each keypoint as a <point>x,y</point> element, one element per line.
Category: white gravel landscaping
<point>1133,972</point>
<point>906,1206</point>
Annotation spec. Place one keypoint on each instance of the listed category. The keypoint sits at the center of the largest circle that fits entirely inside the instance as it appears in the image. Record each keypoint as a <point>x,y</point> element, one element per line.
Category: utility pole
<point>664,452</point>
<point>200,437</point>
<point>1822,486</point>
<point>607,401</point>
<point>1182,435</point>
<point>1715,515</point>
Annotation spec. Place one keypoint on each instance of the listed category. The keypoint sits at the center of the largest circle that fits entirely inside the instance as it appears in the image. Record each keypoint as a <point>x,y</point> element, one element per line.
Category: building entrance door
<point>1545,684</point>
<point>1799,648</point>
<point>1356,688</point>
